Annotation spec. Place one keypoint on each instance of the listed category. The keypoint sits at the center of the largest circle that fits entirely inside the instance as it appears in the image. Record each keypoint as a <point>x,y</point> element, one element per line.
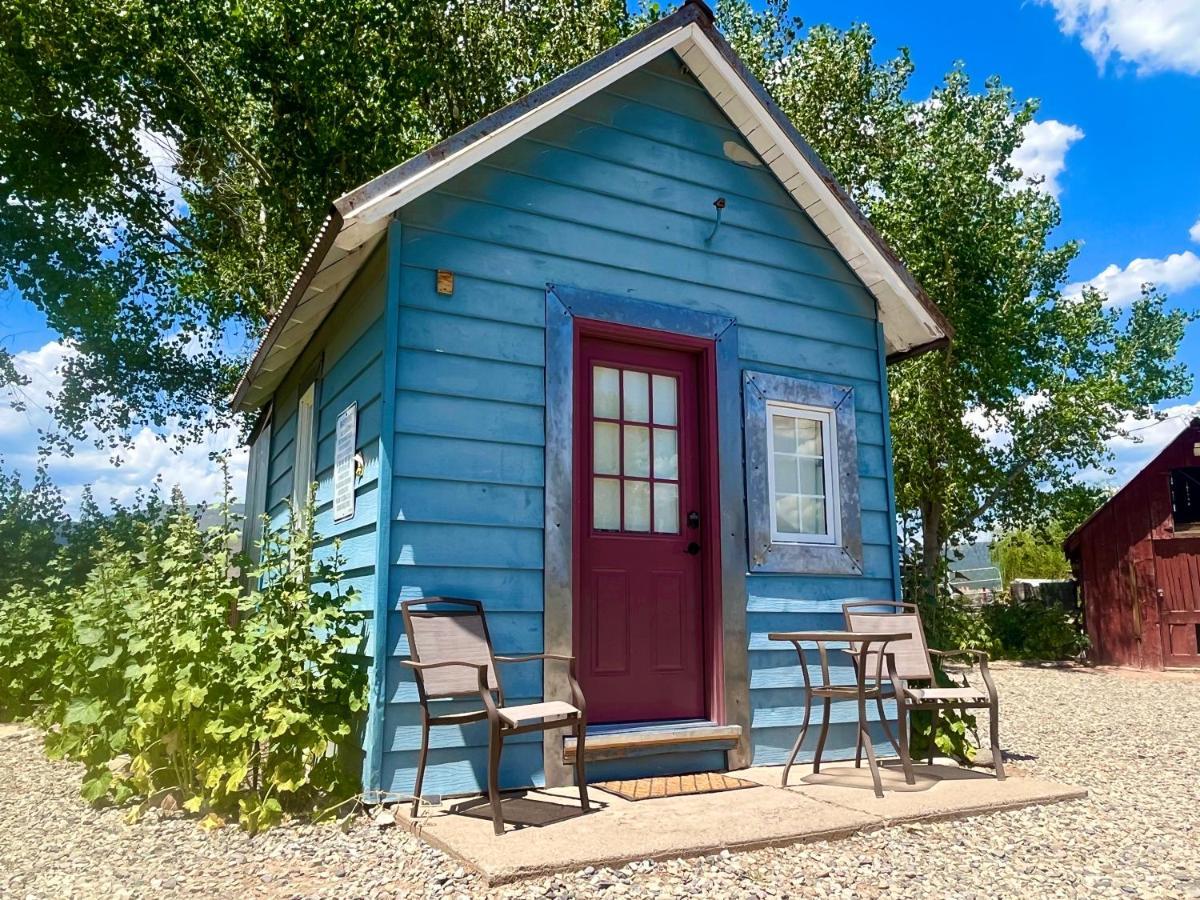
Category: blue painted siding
<point>616,196</point>
<point>350,347</point>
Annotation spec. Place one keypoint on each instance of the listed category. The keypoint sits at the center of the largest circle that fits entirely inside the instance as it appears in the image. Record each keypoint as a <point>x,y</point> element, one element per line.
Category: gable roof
<point>357,221</point>
<point>1191,432</point>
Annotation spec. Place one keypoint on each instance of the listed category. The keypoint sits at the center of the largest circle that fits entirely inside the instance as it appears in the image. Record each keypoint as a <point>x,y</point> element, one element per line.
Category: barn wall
<point>1128,552</point>
<point>615,196</point>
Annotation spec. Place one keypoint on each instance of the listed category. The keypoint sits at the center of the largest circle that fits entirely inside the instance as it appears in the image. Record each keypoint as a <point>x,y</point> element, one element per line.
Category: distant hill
<point>975,571</point>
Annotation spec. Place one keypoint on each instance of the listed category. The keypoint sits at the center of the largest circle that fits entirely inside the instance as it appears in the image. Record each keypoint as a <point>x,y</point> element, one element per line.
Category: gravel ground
<point>1129,738</point>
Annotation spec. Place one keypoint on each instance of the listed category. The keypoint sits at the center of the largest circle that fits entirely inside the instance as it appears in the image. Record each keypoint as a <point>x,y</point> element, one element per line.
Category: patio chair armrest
<point>532,656</point>
<point>980,655</point>
<point>576,691</point>
<point>420,666</point>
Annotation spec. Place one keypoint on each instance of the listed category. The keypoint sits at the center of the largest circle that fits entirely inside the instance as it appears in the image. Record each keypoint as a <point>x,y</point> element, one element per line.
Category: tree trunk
<point>931,547</point>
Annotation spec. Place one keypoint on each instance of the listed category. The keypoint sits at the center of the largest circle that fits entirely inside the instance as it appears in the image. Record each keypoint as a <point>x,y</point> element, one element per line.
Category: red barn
<point>1137,560</point>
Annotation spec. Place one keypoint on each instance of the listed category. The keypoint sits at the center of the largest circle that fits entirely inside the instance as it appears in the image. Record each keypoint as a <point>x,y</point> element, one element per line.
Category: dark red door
<point>638,606</point>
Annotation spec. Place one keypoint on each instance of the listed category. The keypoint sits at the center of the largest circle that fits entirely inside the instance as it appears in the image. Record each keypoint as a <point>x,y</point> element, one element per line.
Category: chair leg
<point>580,763</point>
<point>864,741</point>
<point>902,732</point>
<point>933,729</point>
<point>420,769</point>
<point>821,739</point>
<point>495,745</point>
<point>871,763</point>
<point>997,754</point>
<point>858,750</point>
<point>799,740</point>
<point>887,729</point>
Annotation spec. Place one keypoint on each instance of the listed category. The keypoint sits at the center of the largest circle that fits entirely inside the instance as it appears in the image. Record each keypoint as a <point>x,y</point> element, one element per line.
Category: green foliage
<point>993,430</point>
<point>1012,629</point>
<point>31,523</point>
<point>1031,629</point>
<point>165,677</point>
<point>1032,554</point>
<point>167,164</point>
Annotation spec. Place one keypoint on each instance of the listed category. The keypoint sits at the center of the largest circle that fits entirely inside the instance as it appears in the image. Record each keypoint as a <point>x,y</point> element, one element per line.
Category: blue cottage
<point>613,361</point>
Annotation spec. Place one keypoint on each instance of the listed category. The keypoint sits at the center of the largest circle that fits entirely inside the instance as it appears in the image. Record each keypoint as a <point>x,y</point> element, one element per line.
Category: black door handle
<point>693,548</point>
<point>693,519</point>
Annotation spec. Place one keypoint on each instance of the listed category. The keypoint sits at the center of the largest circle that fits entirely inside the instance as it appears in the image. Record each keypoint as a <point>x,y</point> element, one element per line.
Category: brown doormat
<point>673,786</point>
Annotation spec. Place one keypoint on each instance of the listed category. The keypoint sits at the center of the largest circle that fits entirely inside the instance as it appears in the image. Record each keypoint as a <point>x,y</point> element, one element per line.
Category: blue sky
<point>1118,137</point>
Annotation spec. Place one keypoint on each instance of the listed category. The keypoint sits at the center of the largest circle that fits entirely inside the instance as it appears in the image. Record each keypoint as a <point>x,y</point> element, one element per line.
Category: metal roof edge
<point>326,235</point>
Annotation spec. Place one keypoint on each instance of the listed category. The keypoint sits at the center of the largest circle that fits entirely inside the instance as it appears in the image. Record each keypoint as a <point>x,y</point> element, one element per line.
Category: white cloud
<point>1152,35</point>
<point>1175,273</point>
<point>1194,232</point>
<point>147,458</point>
<point>1043,152</point>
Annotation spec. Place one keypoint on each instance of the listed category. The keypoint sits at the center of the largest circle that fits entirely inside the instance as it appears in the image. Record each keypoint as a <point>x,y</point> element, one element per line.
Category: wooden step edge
<point>617,744</point>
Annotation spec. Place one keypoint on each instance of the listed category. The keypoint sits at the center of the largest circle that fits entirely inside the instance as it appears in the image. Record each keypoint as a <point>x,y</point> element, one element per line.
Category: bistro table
<point>862,647</point>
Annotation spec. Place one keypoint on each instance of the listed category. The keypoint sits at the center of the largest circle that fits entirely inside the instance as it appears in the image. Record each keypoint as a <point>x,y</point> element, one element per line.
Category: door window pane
<point>637,506</point>
<point>665,405</point>
<point>635,440</point>
<point>637,396</point>
<point>666,453</point>
<point>606,393</point>
<point>606,504</point>
<point>606,443</point>
<point>637,451</point>
<point>666,508</point>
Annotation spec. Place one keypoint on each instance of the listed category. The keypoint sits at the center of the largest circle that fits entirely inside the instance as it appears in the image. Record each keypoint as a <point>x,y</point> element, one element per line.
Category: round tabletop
<point>854,637</point>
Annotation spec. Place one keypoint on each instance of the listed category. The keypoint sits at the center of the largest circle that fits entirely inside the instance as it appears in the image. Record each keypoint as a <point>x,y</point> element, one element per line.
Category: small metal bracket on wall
<point>718,204</point>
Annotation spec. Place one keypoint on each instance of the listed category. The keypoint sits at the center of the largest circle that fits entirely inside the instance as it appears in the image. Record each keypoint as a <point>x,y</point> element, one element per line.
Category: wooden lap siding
<point>616,196</point>
<point>352,344</point>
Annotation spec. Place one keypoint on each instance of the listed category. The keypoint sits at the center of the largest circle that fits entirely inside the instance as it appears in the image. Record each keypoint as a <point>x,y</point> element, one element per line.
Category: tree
<point>265,109</point>
<point>993,430</point>
<point>32,522</point>
<point>164,165</point>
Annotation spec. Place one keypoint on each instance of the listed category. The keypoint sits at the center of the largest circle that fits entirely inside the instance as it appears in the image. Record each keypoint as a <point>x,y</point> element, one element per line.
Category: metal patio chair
<point>910,661</point>
<point>452,657</point>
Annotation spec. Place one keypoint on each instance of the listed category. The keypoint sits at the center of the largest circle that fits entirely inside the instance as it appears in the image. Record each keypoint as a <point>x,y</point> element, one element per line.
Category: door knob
<point>693,548</point>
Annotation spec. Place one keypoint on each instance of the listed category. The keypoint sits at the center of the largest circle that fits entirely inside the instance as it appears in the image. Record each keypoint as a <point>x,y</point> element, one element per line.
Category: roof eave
<point>321,245</point>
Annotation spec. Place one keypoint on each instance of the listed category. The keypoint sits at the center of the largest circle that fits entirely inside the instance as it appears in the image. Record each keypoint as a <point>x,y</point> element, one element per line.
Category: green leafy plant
<point>175,685</point>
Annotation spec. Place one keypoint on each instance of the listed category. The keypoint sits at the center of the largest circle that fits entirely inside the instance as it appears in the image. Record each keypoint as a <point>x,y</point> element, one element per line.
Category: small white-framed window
<point>802,474</point>
<point>302,471</point>
<point>803,511</point>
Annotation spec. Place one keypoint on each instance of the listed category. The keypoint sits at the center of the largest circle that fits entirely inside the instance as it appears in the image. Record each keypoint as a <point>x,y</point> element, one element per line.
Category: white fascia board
<point>442,171</point>
<point>830,214</point>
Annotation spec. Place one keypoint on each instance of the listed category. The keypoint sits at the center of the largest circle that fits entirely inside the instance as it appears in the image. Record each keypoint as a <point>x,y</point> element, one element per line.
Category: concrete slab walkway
<point>547,832</point>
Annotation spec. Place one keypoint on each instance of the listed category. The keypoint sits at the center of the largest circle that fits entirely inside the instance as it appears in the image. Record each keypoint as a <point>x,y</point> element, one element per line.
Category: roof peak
<point>912,322</point>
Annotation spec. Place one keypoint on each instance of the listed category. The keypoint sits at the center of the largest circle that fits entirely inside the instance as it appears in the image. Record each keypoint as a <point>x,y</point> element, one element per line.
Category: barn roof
<point>358,220</point>
<point>1190,432</point>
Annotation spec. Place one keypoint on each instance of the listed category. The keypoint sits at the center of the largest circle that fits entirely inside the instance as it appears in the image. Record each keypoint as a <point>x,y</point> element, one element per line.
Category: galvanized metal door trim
<point>563,305</point>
